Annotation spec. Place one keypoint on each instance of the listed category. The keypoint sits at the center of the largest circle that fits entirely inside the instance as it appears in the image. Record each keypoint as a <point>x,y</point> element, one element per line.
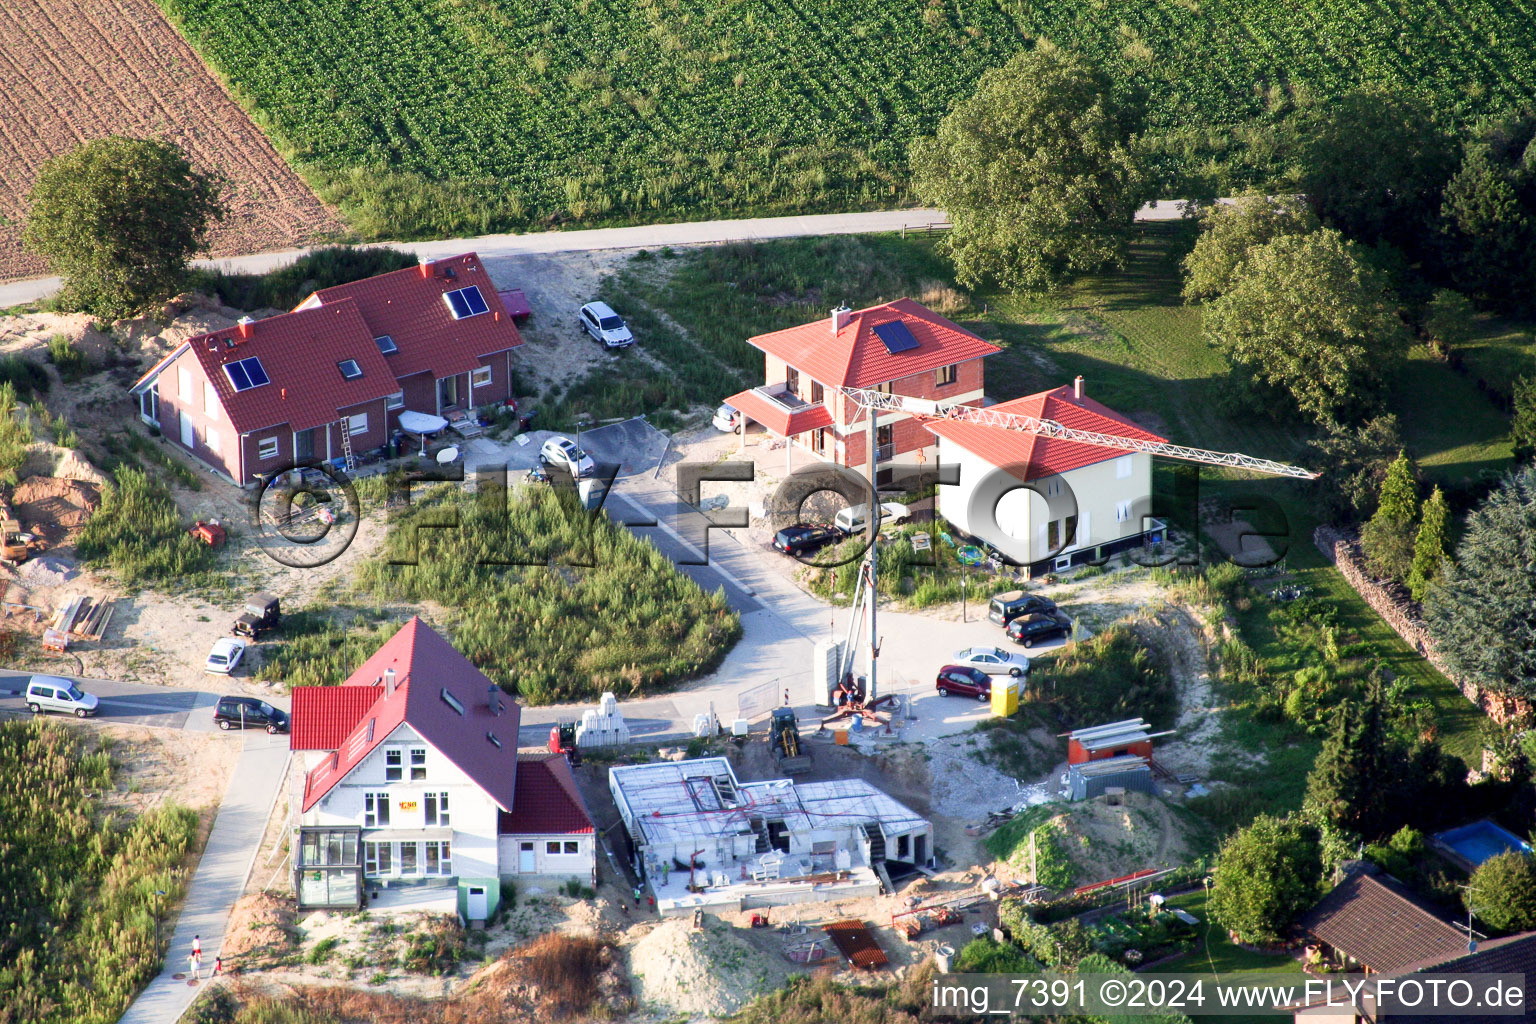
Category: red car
<point>965,681</point>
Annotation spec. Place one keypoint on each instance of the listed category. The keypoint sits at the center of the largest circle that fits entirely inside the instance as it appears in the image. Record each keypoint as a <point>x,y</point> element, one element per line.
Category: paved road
<point>125,703</point>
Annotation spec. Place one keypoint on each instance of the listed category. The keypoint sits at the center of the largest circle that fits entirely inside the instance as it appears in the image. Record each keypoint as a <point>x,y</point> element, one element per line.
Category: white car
<point>562,451</point>
<point>993,660</point>
<point>600,321</point>
<point>854,518</point>
<point>727,419</point>
<point>226,654</point>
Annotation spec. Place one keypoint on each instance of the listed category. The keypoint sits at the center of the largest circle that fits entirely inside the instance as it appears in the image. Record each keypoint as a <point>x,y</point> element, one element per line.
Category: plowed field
<point>75,70</point>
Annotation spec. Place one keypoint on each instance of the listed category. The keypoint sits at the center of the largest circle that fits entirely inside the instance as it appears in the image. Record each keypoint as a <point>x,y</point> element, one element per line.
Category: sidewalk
<point>219,879</point>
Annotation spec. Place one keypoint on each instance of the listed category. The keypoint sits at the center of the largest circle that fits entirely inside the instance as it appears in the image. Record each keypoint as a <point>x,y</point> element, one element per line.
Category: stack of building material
<point>604,726</point>
<point>1128,772</point>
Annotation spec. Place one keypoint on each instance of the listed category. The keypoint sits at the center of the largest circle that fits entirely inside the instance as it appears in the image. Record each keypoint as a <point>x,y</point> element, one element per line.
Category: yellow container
<point>1005,696</point>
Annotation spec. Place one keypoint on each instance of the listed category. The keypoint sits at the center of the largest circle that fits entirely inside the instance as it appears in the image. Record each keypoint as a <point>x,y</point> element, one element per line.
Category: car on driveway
<point>600,321</point>
<point>226,654</point>
<point>249,713</point>
<point>727,419</point>
<point>1029,630</point>
<point>993,660</point>
<point>965,681</point>
<point>855,518</point>
<point>803,539</point>
<point>562,451</point>
<point>55,693</point>
<point>1009,606</point>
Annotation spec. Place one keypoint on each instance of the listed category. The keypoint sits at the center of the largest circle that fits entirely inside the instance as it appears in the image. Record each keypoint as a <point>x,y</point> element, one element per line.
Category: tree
<point>1522,425</point>
<point>1308,317</point>
<point>1230,232</point>
<point>1354,462</point>
<point>1266,874</point>
<point>1503,892</point>
<point>1035,171</point>
<point>1388,537</point>
<point>1429,546</point>
<point>1448,318</point>
<point>1373,162</point>
<point>1483,613</point>
<point>1490,213</point>
<point>118,218</point>
<point>1353,770</point>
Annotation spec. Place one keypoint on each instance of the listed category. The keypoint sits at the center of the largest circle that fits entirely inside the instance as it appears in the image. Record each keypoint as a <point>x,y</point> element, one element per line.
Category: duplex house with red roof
<point>328,380</point>
<point>1088,502</point>
<point>413,780</point>
<point>900,347</point>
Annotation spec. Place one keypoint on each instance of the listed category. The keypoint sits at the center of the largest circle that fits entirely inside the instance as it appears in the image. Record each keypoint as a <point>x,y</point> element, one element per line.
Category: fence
<point>1393,605</point>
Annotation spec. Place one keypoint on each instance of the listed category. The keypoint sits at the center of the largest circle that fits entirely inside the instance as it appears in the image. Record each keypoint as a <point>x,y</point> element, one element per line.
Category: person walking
<point>218,967</point>
<point>195,961</point>
<point>197,946</point>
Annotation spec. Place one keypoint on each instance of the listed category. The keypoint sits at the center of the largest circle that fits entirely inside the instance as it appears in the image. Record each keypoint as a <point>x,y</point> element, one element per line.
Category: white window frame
<point>1122,511</point>
<point>394,764</point>
<point>1123,467</point>
<point>435,808</point>
<point>357,424</point>
<point>551,847</point>
<point>210,400</point>
<point>373,803</point>
<point>944,376</point>
<point>184,383</point>
<point>418,762</point>
<point>150,396</point>
<point>442,853</point>
<point>395,401</point>
<point>213,441</point>
<point>377,859</point>
<point>269,448</point>
<point>416,859</point>
<point>480,377</point>
<point>572,848</point>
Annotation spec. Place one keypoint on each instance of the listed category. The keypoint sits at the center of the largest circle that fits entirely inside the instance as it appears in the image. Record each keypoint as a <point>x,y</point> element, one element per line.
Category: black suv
<point>799,540</point>
<point>1030,629</point>
<point>249,713</point>
<point>1007,607</point>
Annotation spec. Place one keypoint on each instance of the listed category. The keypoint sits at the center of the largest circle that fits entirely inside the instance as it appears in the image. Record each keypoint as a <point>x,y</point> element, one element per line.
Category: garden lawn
<point>1220,955</point>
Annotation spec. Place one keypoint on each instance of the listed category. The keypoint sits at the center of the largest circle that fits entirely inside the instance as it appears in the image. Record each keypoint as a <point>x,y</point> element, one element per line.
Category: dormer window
<point>349,369</point>
<point>466,302</point>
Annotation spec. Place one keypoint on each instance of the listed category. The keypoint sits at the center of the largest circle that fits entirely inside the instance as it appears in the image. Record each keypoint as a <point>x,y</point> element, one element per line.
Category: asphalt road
<point>128,703</point>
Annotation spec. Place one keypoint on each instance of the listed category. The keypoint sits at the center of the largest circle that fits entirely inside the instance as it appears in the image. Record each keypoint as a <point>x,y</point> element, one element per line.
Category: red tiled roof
<point>425,667</point>
<point>1030,456</point>
<point>322,716</point>
<point>1376,920</point>
<point>547,802</point>
<point>855,357</point>
<point>775,417</point>
<point>410,308</point>
<point>300,353</point>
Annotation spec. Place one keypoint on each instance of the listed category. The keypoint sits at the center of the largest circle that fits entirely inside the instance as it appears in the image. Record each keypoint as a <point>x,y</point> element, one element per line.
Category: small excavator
<point>784,741</point>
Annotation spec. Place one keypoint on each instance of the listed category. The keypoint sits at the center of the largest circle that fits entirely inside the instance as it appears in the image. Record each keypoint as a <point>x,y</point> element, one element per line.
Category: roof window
<point>452,701</point>
<point>349,369</point>
<point>246,373</point>
<point>386,344</point>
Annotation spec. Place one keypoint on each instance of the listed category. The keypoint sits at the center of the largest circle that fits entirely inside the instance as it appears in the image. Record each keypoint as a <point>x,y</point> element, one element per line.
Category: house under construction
<point>702,839</point>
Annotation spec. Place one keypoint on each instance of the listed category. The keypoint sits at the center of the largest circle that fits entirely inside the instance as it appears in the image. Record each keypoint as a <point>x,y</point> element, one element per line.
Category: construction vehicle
<point>784,741</point>
<point>562,740</point>
<point>15,546</point>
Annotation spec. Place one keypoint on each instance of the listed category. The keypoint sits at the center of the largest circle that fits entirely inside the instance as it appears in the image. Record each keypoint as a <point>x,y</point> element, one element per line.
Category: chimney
<point>493,698</point>
<point>245,323</point>
<point>389,681</point>
<point>840,317</point>
<point>1077,388</point>
<point>426,267</point>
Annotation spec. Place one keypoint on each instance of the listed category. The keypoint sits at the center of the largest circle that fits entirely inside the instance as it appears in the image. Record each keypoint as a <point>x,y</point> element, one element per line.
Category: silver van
<point>55,693</point>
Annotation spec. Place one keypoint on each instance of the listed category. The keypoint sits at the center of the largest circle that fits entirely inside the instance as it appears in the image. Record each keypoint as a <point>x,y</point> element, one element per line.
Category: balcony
<point>885,452</point>
<point>780,395</point>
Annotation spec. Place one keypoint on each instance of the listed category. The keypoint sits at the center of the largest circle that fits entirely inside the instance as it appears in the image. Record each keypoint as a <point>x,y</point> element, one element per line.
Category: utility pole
<point>873,525</point>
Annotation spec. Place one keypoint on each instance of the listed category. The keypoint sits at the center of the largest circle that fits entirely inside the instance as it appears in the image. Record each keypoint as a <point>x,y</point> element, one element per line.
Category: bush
<point>987,956</point>
<point>1109,676</point>
<point>1011,843</point>
<point>1503,892</point>
<point>69,360</point>
<point>24,376</point>
<point>137,533</point>
<point>287,286</point>
<point>1266,874</point>
<point>435,947</point>
<point>562,968</point>
<point>15,435</point>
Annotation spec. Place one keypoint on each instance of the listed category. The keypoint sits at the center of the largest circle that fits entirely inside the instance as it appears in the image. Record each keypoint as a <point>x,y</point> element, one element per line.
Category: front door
<point>475,905</point>
<point>304,446</point>
<point>188,437</point>
<point>525,861</point>
<point>447,393</point>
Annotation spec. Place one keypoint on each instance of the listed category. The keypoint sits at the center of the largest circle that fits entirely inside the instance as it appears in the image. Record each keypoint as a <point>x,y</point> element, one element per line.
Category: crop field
<point>76,70</point>
<point>459,116</point>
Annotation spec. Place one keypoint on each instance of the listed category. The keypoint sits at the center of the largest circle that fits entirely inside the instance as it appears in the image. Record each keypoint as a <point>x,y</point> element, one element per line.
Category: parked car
<point>800,540</point>
<point>249,713</point>
<point>55,693</point>
<point>993,661</point>
<point>226,654</point>
<point>562,451</point>
<point>727,419</point>
<point>262,613</point>
<point>600,321</point>
<point>965,681</point>
<point>855,518</point>
<point>1032,629</point>
<point>1009,606</point>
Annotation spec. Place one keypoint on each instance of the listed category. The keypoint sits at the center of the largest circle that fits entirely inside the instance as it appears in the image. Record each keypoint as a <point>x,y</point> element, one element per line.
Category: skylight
<point>466,302</point>
<point>386,344</point>
<point>896,337</point>
<point>349,369</point>
<point>452,701</point>
<point>246,373</point>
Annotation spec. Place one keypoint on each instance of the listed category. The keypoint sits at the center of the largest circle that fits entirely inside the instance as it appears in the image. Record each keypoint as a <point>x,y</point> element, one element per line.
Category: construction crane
<point>874,402</point>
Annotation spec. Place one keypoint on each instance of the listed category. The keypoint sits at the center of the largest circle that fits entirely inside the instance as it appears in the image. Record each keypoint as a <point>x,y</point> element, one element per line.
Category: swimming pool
<point>1480,840</point>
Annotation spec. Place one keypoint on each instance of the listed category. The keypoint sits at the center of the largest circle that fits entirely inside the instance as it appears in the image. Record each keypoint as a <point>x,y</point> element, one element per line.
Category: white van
<point>854,519</point>
<point>55,693</point>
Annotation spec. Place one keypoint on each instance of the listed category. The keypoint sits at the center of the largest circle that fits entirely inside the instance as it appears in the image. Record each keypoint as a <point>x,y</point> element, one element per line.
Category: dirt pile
<point>54,509</point>
<point>1104,841</point>
<point>557,977</point>
<point>711,972</point>
<point>260,933</point>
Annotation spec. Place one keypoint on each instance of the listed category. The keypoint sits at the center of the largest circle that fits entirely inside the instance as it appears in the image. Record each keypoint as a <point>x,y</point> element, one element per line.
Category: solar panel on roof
<point>466,302</point>
<point>896,337</point>
<point>246,373</point>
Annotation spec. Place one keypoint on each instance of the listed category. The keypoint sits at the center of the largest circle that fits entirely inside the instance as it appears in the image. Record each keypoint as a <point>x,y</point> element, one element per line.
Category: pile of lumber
<point>83,618</point>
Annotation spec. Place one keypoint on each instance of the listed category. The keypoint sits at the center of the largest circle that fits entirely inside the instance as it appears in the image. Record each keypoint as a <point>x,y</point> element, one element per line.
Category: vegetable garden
<point>461,116</point>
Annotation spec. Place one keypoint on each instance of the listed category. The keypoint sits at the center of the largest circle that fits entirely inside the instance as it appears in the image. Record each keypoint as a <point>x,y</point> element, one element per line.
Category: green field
<point>460,116</point>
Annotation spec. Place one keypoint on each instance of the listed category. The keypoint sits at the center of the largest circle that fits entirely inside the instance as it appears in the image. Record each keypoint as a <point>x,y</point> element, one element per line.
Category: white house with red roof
<point>414,780</point>
<point>901,347</point>
<point>1083,502</point>
<point>331,377</point>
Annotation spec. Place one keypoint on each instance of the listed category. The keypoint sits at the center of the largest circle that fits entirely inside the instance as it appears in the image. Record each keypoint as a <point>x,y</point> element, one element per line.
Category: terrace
<point>781,395</point>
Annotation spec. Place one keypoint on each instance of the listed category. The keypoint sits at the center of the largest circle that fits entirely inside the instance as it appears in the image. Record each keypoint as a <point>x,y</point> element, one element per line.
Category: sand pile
<point>54,509</point>
<point>48,571</point>
<point>260,932</point>
<point>712,972</point>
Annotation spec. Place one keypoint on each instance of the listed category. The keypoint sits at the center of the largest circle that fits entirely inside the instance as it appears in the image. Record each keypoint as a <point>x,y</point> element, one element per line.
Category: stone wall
<point>1392,603</point>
